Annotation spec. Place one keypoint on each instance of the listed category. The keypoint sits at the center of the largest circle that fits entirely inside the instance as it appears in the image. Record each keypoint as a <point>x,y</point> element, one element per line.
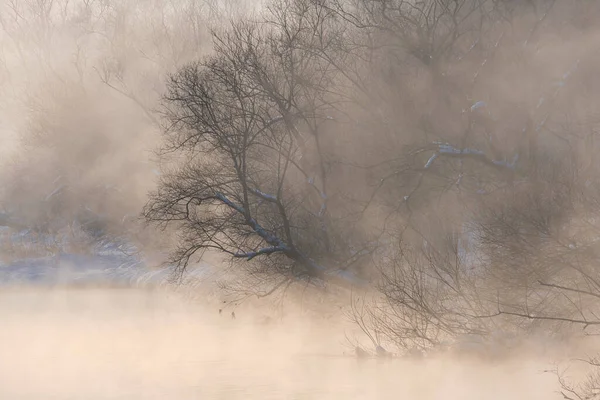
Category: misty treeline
<point>441,152</point>
<point>80,82</point>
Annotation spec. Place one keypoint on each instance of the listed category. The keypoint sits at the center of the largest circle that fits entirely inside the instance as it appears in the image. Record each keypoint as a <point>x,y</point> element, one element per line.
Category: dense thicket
<point>440,151</point>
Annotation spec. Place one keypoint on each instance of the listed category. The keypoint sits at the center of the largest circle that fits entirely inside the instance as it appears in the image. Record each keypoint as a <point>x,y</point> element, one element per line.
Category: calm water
<point>126,344</point>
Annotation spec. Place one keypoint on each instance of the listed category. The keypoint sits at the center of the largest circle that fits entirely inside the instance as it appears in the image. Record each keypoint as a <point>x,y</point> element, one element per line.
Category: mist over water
<point>140,344</point>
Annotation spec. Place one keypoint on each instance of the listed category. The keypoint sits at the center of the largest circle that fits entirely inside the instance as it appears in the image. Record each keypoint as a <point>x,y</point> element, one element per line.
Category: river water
<point>140,344</point>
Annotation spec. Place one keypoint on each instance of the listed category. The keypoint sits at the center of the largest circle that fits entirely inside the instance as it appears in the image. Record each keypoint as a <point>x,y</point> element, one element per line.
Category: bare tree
<point>253,121</point>
<point>508,171</point>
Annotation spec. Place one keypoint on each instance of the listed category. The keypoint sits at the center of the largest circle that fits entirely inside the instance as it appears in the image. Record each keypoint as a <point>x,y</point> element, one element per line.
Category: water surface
<point>140,344</point>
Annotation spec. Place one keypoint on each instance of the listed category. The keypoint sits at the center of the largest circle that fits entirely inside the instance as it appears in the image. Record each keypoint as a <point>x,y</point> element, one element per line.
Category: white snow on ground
<point>109,262</point>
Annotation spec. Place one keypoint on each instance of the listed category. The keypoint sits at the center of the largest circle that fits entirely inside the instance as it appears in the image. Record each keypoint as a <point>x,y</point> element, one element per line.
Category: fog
<point>446,181</point>
<point>136,344</point>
